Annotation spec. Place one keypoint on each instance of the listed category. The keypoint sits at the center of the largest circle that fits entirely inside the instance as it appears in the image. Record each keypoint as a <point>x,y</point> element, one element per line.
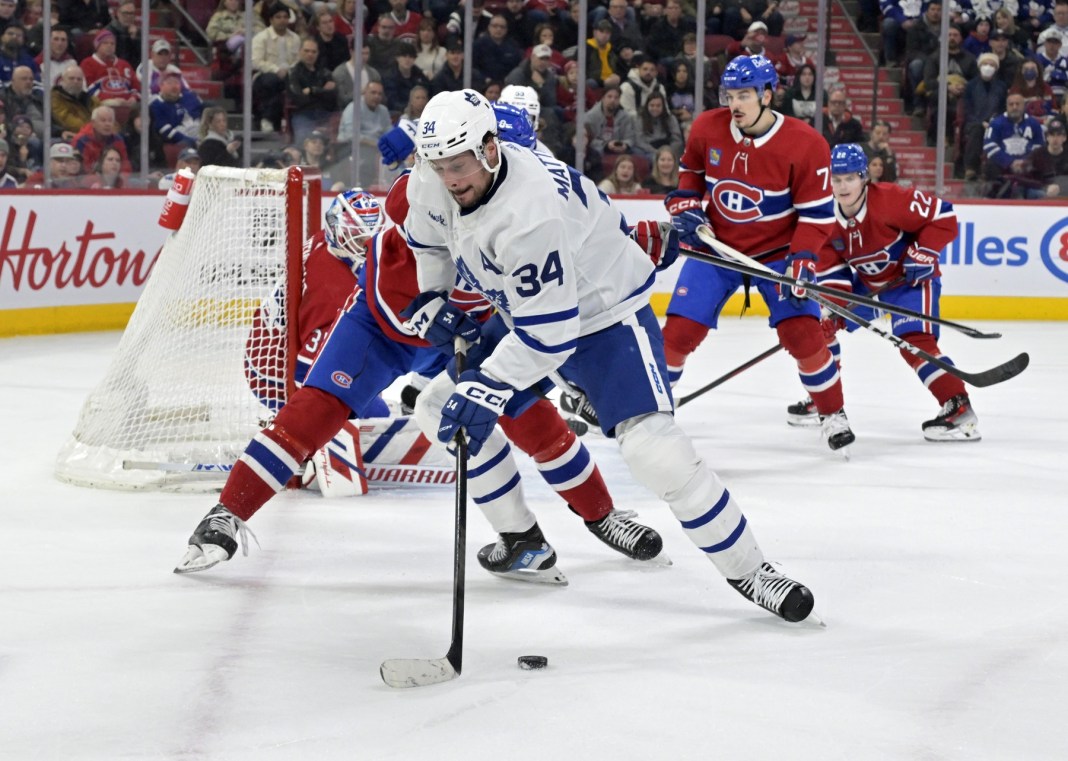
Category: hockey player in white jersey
<point>552,254</point>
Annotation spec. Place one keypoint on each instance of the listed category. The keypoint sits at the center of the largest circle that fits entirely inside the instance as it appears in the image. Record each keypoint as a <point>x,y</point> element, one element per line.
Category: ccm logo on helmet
<point>737,201</point>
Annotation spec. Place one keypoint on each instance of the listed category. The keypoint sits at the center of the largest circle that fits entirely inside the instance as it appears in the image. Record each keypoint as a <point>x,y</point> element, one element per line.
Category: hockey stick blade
<point>999,374</point>
<point>417,672</point>
<point>748,266</point>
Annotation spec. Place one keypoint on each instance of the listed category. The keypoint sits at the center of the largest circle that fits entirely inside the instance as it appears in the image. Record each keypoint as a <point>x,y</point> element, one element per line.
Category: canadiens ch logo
<point>736,201</point>
<point>871,264</point>
<point>715,155</point>
<point>342,379</point>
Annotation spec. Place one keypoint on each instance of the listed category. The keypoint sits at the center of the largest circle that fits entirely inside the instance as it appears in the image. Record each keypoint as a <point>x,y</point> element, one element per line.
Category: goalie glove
<point>801,266</point>
<point>433,318</point>
<point>475,406</point>
<point>918,264</point>
<point>659,241</point>
<point>687,215</point>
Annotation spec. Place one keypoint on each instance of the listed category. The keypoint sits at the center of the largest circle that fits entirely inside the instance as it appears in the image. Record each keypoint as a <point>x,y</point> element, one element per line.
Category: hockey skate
<point>622,533</point>
<point>956,422</point>
<point>215,540</point>
<point>524,556</point>
<point>579,408</point>
<point>835,429</point>
<point>776,593</point>
<point>803,414</point>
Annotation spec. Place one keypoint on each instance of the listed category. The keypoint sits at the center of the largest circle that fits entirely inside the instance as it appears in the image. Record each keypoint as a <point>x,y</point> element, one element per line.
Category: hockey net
<point>192,380</point>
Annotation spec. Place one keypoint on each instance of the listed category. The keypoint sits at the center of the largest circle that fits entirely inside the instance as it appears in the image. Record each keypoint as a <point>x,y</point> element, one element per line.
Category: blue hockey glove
<point>687,215</point>
<point>918,264</point>
<point>396,145</point>
<point>659,240</point>
<point>431,317</point>
<point>475,406</point>
<point>800,265</point>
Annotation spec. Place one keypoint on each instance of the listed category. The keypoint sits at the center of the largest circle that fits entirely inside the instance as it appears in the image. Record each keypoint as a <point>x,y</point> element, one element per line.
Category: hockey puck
<point>531,662</point>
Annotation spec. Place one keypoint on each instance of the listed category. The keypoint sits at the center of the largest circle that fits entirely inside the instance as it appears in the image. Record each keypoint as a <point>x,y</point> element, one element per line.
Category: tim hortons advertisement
<point>69,250</point>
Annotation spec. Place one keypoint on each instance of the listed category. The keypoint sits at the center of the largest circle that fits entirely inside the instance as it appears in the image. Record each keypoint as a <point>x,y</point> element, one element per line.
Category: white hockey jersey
<point>544,245</point>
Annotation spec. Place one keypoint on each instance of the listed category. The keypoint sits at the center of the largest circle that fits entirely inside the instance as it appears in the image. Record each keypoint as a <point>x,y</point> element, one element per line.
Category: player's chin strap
<point>759,116</point>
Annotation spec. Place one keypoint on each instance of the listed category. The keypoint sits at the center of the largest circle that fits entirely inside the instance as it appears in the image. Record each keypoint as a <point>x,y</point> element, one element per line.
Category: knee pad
<point>801,337</point>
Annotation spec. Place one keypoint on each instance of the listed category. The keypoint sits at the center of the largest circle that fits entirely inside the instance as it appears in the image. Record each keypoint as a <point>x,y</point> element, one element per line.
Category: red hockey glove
<point>659,241</point>
<point>801,266</point>
<point>918,264</point>
<point>831,325</point>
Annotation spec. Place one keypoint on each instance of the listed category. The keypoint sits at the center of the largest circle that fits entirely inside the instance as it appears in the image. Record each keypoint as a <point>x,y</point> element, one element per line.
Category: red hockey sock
<point>816,365</point>
<point>681,337</point>
<point>940,383</point>
<point>563,461</point>
<point>305,424</point>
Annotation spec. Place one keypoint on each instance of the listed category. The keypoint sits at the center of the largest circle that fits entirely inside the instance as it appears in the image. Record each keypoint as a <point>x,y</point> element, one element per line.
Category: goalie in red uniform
<point>368,347</point>
<point>767,182</point>
<point>889,235</point>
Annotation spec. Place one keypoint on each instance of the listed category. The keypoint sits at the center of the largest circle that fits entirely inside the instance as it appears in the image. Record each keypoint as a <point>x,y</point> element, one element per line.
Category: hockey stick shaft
<point>727,376</point>
<point>749,266</point>
<point>418,672</point>
<point>998,374</point>
<point>757,359</point>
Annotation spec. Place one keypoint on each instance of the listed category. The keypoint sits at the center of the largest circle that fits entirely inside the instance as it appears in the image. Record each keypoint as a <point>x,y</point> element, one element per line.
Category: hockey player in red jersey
<point>767,182</point>
<point>367,349</point>
<point>885,233</point>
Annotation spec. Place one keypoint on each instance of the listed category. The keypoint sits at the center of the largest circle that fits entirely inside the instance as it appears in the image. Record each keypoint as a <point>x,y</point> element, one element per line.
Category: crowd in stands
<point>1008,73</point>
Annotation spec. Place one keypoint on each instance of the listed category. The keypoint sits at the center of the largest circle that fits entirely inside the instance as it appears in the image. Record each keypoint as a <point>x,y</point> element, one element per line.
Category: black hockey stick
<point>420,672</point>
<point>759,358</point>
<point>754,269</point>
<point>1002,372</point>
<point>727,376</point>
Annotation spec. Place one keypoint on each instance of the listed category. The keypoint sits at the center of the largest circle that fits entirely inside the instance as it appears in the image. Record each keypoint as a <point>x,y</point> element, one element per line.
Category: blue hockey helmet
<point>513,125</point>
<point>749,71</point>
<point>847,158</point>
<point>353,217</point>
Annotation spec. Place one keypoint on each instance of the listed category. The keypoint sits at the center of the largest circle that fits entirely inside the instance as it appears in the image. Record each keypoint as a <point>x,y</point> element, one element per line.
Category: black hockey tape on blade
<point>531,662</point>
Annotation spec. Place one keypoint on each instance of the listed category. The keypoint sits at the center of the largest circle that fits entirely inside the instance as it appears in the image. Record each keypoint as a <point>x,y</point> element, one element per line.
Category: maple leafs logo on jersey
<point>498,298</point>
<point>736,201</point>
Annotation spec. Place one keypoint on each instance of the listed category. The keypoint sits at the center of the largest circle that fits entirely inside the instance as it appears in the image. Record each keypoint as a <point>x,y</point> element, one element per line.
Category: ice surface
<point>939,569</point>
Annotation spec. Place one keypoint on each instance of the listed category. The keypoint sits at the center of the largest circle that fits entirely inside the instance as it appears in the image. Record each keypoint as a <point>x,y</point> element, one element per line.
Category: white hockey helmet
<point>523,97</point>
<point>454,122</point>
<point>353,217</point>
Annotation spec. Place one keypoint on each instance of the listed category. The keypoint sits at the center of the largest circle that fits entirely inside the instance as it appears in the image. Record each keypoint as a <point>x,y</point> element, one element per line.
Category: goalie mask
<point>455,122</point>
<point>353,217</point>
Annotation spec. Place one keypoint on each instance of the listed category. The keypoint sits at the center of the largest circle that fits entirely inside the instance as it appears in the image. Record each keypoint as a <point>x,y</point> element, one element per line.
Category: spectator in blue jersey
<point>1008,143</point>
<point>13,53</point>
<point>176,112</point>
<point>495,54</point>
<point>978,40</point>
<point>1050,57</point>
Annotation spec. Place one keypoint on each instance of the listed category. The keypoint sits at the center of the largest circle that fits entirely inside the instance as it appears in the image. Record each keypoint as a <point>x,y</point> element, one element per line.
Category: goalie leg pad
<point>662,458</point>
<point>563,461</point>
<point>816,364</point>
<point>493,480</point>
<point>339,470</point>
<point>275,454</point>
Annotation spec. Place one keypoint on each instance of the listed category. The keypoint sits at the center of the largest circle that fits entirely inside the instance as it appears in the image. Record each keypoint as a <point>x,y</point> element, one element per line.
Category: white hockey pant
<point>492,476</point>
<point>663,459</point>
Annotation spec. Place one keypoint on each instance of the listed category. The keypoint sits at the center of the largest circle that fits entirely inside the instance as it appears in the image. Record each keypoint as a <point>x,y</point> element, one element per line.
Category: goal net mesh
<point>177,405</point>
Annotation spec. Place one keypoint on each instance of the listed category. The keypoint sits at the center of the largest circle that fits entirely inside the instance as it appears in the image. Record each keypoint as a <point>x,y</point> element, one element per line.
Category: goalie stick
<point>420,672</point>
<point>757,359</point>
<point>749,266</point>
<point>999,374</point>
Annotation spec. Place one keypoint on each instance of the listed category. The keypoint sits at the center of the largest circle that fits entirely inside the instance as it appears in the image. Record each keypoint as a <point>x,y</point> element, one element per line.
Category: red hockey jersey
<point>767,196</point>
<point>891,220</point>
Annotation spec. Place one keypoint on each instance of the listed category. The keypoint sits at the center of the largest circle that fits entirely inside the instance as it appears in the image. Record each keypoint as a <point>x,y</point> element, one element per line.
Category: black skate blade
<point>553,576</point>
<point>417,672</point>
